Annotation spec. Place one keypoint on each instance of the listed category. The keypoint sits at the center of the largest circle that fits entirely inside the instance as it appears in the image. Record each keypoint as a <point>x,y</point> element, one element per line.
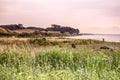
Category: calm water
<point>107,37</point>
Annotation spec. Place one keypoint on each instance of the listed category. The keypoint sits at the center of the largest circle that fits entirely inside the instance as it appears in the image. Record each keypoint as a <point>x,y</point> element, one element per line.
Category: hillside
<point>12,26</point>
<point>35,28</point>
<point>3,30</point>
<point>24,30</point>
<point>20,30</point>
<point>63,29</point>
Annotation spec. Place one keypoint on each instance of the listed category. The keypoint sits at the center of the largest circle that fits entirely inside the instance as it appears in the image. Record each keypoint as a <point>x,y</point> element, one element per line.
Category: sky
<point>89,16</point>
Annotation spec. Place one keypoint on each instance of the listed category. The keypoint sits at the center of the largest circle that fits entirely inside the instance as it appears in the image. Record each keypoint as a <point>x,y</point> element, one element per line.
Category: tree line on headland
<point>19,30</point>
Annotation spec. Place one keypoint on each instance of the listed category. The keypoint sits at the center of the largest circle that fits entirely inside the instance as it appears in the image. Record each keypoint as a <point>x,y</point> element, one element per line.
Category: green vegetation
<point>58,59</point>
<point>63,29</point>
<point>41,41</point>
<point>27,63</point>
<point>33,58</point>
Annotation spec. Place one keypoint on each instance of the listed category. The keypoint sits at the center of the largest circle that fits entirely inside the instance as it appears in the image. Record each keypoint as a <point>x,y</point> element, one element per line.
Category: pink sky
<point>91,16</point>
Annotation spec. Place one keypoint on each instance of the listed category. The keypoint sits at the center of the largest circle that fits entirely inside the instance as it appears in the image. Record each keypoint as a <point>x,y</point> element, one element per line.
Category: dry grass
<point>61,42</point>
<point>24,31</point>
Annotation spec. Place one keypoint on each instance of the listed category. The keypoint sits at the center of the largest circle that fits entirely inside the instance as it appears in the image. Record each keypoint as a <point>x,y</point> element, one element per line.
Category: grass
<point>27,63</point>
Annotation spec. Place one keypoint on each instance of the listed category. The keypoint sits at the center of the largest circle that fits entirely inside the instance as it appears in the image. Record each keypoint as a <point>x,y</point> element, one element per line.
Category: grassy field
<point>59,59</point>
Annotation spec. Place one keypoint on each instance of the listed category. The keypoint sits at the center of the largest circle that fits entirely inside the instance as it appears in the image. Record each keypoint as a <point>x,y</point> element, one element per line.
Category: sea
<point>106,37</point>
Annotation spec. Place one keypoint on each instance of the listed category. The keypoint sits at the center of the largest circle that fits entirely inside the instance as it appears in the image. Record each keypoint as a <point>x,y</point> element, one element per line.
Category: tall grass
<point>59,64</point>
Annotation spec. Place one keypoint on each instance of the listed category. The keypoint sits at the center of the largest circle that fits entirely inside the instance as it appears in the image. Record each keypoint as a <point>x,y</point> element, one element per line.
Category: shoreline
<point>56,37</point>
<point>106,37</point>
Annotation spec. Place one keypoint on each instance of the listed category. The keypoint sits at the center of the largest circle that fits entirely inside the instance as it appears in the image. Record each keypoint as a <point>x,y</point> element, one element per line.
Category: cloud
<point>115,11</point>
<point>116,27</point>
<point>111,7</point>
<point>81,13</point>
<point>1,5</point>
<point>108,7</point>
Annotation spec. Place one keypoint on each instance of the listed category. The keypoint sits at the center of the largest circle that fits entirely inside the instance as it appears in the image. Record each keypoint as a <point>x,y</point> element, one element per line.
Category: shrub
<point>73,45</point>
<point>13,59</point>
<point>37,41</point>
<point>104,47</point>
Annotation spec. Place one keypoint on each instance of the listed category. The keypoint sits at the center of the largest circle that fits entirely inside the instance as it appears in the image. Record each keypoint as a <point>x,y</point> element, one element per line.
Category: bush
<point>104,47</point>
<point>13,59</point>
<point>37,41</point>
<point>73,45</point>
<point>55,58</point>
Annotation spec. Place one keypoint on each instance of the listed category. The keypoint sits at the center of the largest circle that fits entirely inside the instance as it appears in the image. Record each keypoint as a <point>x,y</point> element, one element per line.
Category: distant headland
<point>19,30</point>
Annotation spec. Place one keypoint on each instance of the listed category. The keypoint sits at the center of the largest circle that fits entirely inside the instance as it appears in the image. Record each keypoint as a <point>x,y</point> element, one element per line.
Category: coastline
<point>106,37</point>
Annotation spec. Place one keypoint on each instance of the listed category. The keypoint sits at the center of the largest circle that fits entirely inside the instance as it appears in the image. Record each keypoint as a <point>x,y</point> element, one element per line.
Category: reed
<point>26,63</point>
